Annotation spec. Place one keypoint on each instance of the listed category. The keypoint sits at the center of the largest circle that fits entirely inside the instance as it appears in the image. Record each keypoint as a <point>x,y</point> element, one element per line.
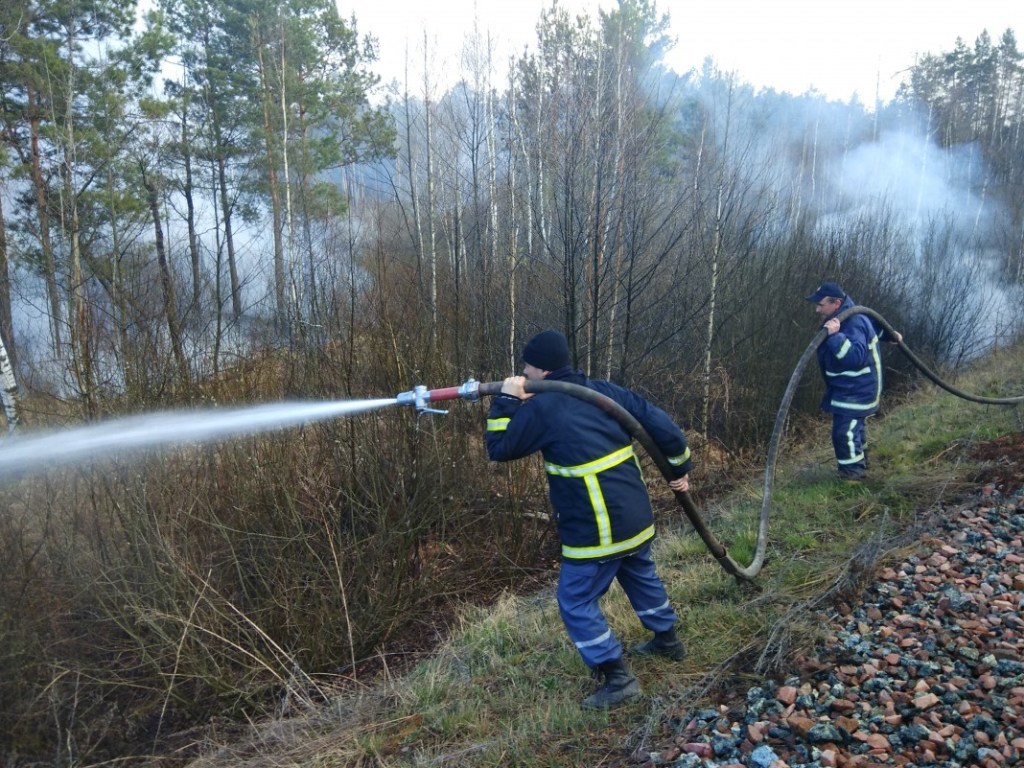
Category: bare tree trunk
<point>217,275</point>
<point>513,246</point>
<point>167,285</point>
<point>513,262</point>
<point>42,211</point>
<point>431,206</point>
<point>1020,257</point>
<point>492,197</point>
<point>8,384</point>
<point>190,207</point>
<point>6,319</point>
<point>413,193</point>
<point>540,183</point>
<point>709,339</point>
<point>272,179</point>
<point>229,240</point>
<point>619,204</point>
<point>80,325</point>
<point>130,364</point>
<point>716,252</point>
<point>221,184</point>
<point>288,212</point>
<point>8,388</point>
<point>597,216</point>
<point>314,299</point>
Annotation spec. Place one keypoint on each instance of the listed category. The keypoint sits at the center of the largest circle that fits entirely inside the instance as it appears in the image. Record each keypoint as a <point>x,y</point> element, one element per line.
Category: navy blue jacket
<point>851,365</point>
<point>598,494</point>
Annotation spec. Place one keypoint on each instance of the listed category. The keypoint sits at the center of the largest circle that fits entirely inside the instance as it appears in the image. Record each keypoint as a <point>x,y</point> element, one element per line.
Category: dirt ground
<point>1004,469</point>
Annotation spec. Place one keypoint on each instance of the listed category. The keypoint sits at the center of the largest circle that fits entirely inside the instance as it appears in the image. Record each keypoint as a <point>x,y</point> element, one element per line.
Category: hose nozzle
<point>419,396</point>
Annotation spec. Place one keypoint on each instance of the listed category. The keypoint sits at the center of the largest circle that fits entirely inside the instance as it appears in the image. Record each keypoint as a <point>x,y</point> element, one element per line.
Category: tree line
<point>226,176</point>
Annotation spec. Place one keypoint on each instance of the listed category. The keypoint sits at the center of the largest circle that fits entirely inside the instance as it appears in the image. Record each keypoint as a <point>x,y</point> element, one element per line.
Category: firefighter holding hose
<point>851,365</point>
<point>603,511</point>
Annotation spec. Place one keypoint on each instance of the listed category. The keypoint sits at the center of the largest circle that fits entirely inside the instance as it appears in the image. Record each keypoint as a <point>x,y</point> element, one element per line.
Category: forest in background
<point>221,205</point>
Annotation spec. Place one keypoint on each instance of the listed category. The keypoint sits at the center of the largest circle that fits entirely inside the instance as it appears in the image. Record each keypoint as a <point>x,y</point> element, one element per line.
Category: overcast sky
<point>792,45</point>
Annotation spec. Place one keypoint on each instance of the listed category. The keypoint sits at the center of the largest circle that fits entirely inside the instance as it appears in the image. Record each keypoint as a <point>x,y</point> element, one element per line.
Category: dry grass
<point>267,588</point>
<point>504,689</point>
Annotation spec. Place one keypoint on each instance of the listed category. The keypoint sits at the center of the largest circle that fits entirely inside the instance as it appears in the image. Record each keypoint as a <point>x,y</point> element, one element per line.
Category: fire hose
<point>420,398</point>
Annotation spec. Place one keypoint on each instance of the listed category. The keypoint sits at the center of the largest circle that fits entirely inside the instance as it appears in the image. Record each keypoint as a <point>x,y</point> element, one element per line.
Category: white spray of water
<point>24,453</point>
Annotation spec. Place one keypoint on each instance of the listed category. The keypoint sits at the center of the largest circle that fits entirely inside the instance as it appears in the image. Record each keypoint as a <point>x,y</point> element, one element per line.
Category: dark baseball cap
<point>827,291</point>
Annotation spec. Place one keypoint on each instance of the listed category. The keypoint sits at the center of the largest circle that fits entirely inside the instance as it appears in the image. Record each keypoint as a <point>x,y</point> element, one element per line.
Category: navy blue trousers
<point>848,438</point>
<point>582,583</point>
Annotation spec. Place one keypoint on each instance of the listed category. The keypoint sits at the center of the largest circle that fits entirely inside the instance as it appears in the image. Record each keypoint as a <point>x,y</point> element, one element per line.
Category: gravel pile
<point>927,671</point>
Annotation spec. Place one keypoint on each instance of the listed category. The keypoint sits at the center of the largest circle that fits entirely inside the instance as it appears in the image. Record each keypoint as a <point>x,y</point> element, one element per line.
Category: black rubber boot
<point>619,686</point>
<point>662,644</point>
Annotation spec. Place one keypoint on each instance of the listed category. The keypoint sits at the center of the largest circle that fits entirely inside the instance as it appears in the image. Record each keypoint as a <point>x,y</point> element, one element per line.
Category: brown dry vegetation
<point>826,539</point>
<point>149,594</point>
<point>156,605</point>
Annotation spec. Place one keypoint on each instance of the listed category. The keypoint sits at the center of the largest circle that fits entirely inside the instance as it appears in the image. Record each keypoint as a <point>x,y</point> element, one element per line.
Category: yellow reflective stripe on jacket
<point>873,348</point>
<point>679,460</point>
<point>588,472</point>
<point>498,425</point>
<point>604,523</point>
<point>843,349</point>
<point>862,372</point>
<point>591,467</point>
<point>587,553</point>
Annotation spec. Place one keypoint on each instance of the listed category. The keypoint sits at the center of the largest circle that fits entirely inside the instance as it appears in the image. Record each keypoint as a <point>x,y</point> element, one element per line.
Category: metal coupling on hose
<point>470,390</point>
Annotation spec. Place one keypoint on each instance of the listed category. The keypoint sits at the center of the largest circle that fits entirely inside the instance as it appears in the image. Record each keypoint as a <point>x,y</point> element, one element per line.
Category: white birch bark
<point>8,388</point>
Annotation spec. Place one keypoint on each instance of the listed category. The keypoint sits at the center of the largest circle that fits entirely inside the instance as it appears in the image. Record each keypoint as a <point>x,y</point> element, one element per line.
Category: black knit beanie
<point>548,350</point>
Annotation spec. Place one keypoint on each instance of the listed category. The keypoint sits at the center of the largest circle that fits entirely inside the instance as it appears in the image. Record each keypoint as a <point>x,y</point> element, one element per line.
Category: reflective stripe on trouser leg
<point>581,583</point>
<point>848,441</point>
<point>645,591</point>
